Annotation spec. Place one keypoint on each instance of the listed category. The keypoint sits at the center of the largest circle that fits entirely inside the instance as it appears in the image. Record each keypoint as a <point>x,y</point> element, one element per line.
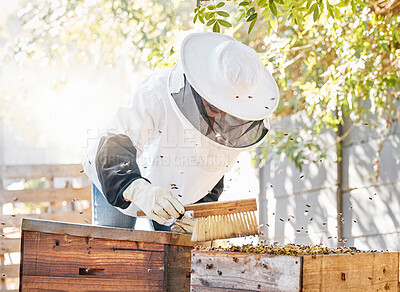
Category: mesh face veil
<point>212,122</point>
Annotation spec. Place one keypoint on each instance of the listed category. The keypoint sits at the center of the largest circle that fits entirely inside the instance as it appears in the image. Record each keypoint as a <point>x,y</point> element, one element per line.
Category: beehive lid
<point>92,231</point>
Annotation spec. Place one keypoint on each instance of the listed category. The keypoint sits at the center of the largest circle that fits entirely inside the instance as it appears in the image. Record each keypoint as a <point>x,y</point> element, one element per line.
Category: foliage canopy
<point>338,61</point>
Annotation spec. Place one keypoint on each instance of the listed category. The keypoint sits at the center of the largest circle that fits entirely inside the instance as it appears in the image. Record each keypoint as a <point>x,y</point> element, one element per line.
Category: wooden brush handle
<point>218,208</point>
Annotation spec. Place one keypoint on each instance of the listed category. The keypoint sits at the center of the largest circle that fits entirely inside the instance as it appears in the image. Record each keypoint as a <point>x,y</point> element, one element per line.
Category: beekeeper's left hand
<point>184,225</point>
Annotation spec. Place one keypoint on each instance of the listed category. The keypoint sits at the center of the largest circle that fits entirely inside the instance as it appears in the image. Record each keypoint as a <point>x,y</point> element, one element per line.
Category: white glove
<point>157,203</point>
<point>184,225</point>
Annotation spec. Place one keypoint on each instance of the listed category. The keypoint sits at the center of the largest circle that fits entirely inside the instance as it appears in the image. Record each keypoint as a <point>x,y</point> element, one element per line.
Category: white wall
<point>377,220</point>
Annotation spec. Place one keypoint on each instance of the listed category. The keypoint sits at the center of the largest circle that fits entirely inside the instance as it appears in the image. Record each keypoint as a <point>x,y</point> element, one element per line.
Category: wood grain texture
<point>228,271</point>
<point>106,232</point>
<point>213,289</point>
<point>45,195</point>
<point>95,258</point>
<point>2,279</point>
<point>45,283</point>
<point>36,171</point>
<point>358,272</point>
<point>9,245</point>
<point>223,271</point>
<point>178,267</point>
<point>9,271</point>
<point>73,217</point>
<point>53,262</point>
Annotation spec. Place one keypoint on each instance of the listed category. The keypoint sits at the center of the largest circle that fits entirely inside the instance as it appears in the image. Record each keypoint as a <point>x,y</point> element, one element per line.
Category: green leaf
<point>241,16</point>
<point>195,18</point>
<point>300,20</point>
<point>252,25</point>
<point>266,13</point>
<point>272,6</point>
<point>397,36</point>
<point>274,24</point>
<point>201,19</point>
<point>341,4</point>
<point>386,48</point>
<point>312,8</point>
<point>210,7</point>
<point>308,4</point>
<point>220,4</point>
<point>315,14</point>
<point>224,23</point>
<point>209,15</point>
<point>244,3</point>
<point>251,11</point>
<point>261,3</point>
<point>353,6</point>
<point>216,27</point>
<point>331,12</point>
<point>223,13</point>
<point>211,22</point>
<point>251,17</point>
<point>336,11</point>
<point>321,5</point>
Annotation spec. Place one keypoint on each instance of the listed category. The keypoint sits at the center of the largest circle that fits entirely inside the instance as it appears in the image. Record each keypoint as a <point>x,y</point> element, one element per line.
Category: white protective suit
<point>158,136</point>
<point>170,154</point>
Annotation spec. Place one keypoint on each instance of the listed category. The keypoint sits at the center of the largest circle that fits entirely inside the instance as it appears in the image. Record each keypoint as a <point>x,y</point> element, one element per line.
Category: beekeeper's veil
<point>222,88</point>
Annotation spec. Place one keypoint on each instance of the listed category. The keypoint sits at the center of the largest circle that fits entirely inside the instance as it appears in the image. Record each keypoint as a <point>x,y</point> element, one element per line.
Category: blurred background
<point>329,171</point>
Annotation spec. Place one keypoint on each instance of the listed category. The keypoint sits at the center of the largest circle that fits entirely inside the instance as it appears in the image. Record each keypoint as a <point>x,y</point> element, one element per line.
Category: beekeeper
<point>182,130</point>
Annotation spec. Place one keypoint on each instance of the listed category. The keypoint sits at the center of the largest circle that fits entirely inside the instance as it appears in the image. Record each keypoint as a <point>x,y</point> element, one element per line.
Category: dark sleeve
<point>214,194</point>
<point>116,167</point>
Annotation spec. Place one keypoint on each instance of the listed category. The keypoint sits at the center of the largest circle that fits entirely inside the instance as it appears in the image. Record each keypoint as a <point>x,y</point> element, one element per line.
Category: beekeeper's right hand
<point>157,203</point>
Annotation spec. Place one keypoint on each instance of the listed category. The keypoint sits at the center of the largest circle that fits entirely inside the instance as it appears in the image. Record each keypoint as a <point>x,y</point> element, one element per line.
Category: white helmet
<point>217,72</point>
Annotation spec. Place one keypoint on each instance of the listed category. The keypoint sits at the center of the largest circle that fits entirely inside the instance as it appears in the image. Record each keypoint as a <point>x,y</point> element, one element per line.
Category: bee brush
<point>222,220</point>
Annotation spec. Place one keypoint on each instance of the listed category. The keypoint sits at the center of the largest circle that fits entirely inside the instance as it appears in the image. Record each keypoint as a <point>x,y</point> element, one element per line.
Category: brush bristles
<point>225,226</point>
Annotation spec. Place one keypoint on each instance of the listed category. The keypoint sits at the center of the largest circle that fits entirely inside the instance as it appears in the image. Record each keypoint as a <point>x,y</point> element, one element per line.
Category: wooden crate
<point>74,257</point>
<point>233,271</point>
<point>55,197</point>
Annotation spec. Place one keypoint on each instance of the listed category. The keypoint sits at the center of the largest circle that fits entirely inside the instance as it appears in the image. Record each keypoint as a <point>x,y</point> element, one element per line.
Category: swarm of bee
<point>289,249</point>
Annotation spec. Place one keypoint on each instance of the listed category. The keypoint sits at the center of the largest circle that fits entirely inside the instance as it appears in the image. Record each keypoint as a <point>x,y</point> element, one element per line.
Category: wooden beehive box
<point>234,271</point>
<point>59,256</point>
